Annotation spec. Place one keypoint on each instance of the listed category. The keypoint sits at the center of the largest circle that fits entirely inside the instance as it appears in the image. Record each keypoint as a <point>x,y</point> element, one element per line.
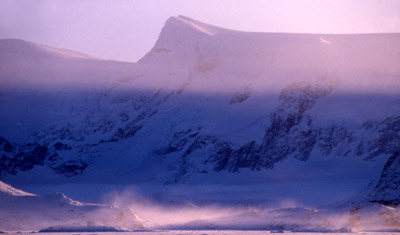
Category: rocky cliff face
<point>387,190</point>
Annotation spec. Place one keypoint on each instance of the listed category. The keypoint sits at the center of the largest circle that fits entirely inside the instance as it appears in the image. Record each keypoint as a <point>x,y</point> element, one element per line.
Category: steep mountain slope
<point>387,190</point>
<point>207,105</point>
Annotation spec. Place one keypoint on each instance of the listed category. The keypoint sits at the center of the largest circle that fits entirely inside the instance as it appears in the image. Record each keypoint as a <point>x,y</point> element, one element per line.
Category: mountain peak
<point>186,23</point>
<point>179,35</point>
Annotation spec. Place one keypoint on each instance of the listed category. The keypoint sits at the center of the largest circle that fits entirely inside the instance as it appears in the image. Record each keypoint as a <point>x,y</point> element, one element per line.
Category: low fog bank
<point>133,210</point>
<point>284,215</point>
<point>271,194</point>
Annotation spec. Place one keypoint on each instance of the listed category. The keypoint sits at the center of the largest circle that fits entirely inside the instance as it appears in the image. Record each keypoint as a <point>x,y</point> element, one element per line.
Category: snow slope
<point>276,115</point>
<point>22,211</point>
<point>44,84</point>
<point>58,213</point>
<point>8,189</point>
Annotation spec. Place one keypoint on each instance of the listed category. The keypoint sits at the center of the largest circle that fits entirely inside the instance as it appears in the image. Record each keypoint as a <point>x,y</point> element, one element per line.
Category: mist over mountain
<point>224,116</point>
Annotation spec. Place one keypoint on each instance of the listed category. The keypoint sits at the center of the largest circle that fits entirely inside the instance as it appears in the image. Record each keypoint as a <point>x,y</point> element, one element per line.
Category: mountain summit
<point>186,22</point>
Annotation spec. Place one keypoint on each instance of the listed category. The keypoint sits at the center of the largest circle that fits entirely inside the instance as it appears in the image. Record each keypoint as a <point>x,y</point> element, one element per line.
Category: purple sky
<point>126,30</point>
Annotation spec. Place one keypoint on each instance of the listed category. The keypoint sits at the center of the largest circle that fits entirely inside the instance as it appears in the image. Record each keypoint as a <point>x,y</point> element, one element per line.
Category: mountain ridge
<point>11,43</point>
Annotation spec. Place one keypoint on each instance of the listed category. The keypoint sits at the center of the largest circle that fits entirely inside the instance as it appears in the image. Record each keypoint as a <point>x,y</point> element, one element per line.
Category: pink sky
<point>126,30</point>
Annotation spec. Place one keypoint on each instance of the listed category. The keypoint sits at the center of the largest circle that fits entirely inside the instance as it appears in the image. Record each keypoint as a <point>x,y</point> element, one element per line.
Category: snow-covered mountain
<point>305,117</point>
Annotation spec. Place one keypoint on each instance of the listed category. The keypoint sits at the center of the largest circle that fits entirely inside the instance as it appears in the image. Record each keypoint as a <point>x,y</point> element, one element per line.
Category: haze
<point>126,30</point>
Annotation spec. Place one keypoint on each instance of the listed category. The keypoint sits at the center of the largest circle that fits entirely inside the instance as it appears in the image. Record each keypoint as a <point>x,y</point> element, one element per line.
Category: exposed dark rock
<point>124,117</point>
<point>21,158</point>
<point>71,168</point>
<point>246,156</point>
<point>222,157</point>
<point>282,138</point>
<point>178,142</point>
<point>388,141</point>
<point>387,190</point>
<point>127,132</point>
<point>53,139</point>
<point>335,138</point>
<point>291,133</point>
<point>6,146</point>
<point>240,96</point>
<point>60,146</point>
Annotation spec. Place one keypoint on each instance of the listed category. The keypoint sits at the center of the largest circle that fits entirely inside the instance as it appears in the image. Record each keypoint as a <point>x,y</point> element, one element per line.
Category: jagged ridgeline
<point>206,105</point>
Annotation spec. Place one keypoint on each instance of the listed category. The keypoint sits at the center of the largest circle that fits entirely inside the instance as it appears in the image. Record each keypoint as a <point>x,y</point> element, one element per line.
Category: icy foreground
<point>57,213</point>
<point>22,211</point>
<point>212,115</point>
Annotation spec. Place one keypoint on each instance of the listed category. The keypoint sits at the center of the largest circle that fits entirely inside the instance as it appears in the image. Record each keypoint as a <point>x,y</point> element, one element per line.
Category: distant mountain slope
<point>39,84</point>
<point>29,49</point>
<point>8,189</point>
<point>26,65</point>
<point>207,105</point>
